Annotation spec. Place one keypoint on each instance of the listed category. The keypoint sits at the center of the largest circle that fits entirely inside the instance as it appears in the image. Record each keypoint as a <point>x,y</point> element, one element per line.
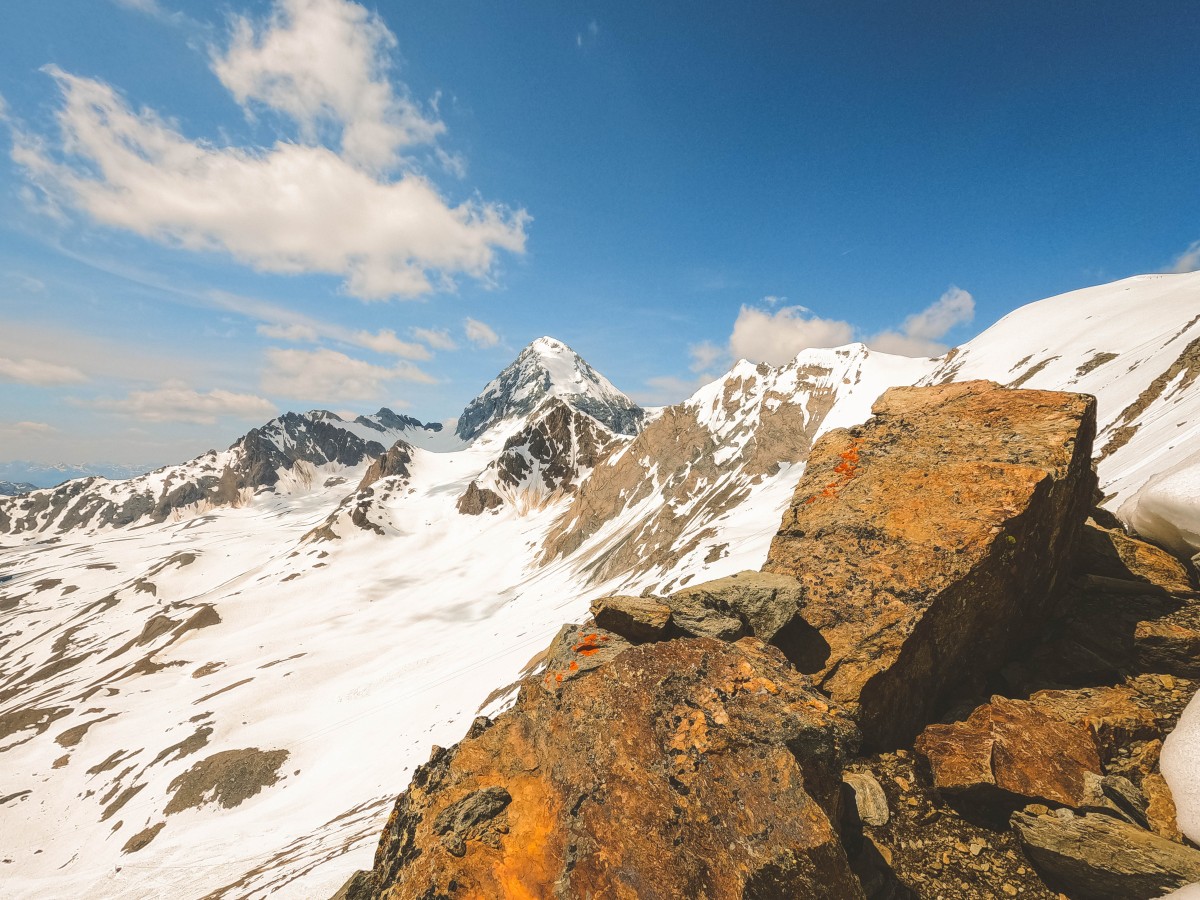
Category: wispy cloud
<point>438,338</point>
<point>38,372</point>
<point>176,402</point>
<point>328,376</point>
<point>921,333</point>
<point>296,207</point>
<point>480,333</point>
<point>1187,261</point>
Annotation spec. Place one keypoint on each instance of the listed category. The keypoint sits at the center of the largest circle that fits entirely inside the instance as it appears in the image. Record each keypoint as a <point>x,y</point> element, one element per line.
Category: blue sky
<point>211,212</point>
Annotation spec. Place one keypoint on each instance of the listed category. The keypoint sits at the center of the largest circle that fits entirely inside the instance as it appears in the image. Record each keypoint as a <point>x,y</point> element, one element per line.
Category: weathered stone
<point>637,619</point>
<point>686,768</point>
<point>474,817</point>
<point>1008,750</point>
<point>1098,857</point>
<point>475,500</point>
<point>1110,553</point>
<point>693,617</point>
<point>1160,808</point>
<point>929,540</point>
<point>1112,715</point>
<point>359,886</point>
<point>766,602</point>
<point>1114,795</point>
<point>869,801</point>
<point>1170,644</point>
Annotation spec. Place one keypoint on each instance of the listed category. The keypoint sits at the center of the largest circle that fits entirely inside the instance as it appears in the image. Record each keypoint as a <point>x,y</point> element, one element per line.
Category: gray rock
<point>694,618</point>
<point>637,619</point>
<point>766,602</point>
<point>869,799</point>
<point>475,500</point>
<point>470,818</point>
<point>1115,796</point>
<point>1099,857</point>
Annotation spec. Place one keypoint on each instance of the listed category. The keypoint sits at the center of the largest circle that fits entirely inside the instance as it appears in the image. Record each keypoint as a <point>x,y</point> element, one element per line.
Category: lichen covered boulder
<point>687,768</point>
<point>929,541</point>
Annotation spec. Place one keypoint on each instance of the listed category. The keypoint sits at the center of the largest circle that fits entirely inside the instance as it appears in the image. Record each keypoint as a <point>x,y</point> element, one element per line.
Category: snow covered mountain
<point>549,368</point>
<point>12,489</point>
<point>215,677</point>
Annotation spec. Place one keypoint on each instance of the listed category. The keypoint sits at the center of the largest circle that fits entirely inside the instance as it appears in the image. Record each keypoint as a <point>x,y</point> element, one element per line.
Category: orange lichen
<point>587,646</point>
<point>574,665</point>
<point>845,470</point>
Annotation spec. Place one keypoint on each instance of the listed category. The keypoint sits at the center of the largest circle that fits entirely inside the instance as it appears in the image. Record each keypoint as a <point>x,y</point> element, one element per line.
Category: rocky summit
<point>753,736</point>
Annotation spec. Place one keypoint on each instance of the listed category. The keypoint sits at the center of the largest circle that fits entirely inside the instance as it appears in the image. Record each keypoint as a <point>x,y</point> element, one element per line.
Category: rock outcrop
<point>930,539</point>
<point>397,461</point>
<point>690,768</point>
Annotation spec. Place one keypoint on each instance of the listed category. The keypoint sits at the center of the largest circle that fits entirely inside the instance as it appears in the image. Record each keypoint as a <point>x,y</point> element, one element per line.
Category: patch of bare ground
<point>228,778</point>
<point>1185,368</point>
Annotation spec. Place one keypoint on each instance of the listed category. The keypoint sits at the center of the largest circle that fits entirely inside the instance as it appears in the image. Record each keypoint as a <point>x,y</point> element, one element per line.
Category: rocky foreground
<point>952,679</point>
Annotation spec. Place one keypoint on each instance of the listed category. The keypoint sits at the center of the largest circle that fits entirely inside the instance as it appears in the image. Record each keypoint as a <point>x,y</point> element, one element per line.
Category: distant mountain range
<point>22,471</point>
<point>311,608</point>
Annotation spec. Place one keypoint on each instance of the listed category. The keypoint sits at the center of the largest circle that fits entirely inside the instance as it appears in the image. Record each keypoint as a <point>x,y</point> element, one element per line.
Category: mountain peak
<point>549,368</point>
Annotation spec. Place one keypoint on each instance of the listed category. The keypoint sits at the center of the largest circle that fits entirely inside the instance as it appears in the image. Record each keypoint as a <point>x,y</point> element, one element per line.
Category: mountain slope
<point>349,614</point>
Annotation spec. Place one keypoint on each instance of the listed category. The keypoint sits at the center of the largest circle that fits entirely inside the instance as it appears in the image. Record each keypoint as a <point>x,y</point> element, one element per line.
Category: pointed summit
<point>544,369</point>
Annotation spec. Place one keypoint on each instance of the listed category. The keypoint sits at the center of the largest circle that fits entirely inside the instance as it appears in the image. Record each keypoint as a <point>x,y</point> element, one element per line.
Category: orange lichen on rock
<point>845,470</point>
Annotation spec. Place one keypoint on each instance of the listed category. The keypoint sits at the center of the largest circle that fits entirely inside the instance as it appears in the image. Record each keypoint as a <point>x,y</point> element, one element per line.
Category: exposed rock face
<point>550,456</point>
<point>1010,750</point>
<point>700,458</point>
<point>397,461</point>
<point>1098,857</point>
<point>386,420</point>
<point>929,541</point>
<point>475,500</point>
<point>549,368</point>
<point>691,768</point>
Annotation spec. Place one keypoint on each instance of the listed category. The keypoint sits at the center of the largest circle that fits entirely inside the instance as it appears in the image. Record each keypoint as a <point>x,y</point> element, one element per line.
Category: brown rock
<point>928,542</point>
<point>688,768</point>
<point>637,619</point>
<point>1010,749</point>
<point>1160,809</point>
<point>1109,552</point>
<point>1098,857</point>
<point>1111,714</point>
<point>475,500</point>
<point>397,461</point>
<point>1170,644</point>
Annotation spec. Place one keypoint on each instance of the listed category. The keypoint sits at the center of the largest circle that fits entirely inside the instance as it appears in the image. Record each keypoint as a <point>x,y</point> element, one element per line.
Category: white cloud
<point>33,427</point>
<point>324,63</point>
<point>438,338</point>
<point>480,333</point>
<point>294,207</point>
<point>294,332</point>
<point>775,338</point>
<point>1188,260</point>
<point>704,355</point>
<point>38,372</point>
<point>282,324</point>
<point>328,376</point>
<point>176,402</point>
<point>385,341</point>
<point>920,333</point>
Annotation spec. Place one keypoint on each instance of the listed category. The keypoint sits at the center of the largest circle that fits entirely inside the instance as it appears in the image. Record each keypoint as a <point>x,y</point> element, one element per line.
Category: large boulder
<point>687,768</point>
<point>929,542</point>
